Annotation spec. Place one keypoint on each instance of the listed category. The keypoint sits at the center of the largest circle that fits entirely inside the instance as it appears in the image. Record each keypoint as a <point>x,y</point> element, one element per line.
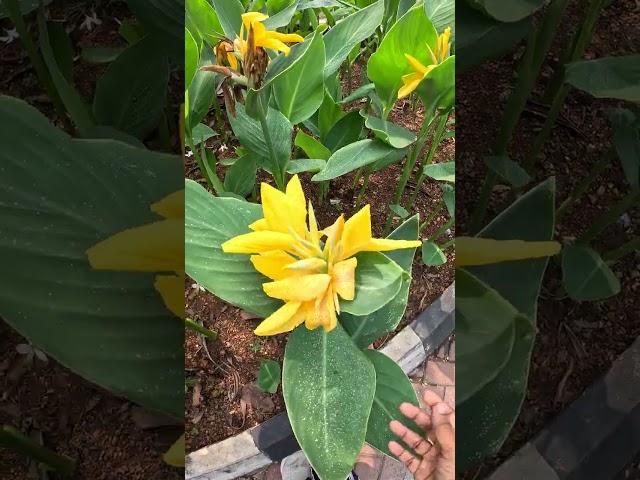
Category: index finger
<point>419,416</point>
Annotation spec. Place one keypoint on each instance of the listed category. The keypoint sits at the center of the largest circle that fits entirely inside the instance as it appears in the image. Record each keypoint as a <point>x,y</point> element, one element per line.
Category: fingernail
<point>443,409</point>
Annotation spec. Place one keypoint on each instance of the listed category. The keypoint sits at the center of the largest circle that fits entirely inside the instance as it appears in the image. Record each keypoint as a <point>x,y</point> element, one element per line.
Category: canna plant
<point>332,289</point>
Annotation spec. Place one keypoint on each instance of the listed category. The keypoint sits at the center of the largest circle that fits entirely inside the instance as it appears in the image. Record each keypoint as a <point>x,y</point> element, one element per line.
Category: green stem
<point>278,173</point>
<point>356,178</point>
<point>435,143</point>
<point>13,439</point>
<point>434,213</point>
<point>435,235</point>
<point>610,216</point>
<point>631,246</point>
<point>196,327</point>
<point>600,166</point>
<point>363,189</point>
<point>448,244</point>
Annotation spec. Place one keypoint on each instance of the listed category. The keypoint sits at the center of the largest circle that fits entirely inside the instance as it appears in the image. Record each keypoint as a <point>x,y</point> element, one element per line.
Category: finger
<point>420,417</point>
<point>431,398</point>
<point>442,413</point>
<point>411,462</point>
<point>410,438</point>
<point>446,438</point>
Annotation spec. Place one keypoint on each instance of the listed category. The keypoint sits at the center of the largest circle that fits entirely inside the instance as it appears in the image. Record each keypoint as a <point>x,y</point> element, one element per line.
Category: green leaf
<point>202,90</point>
<point>328,386</point>
<point>359,93</point>
<point>485,329</point>
<point>349,32</point>
<point>100,54</point>
<point>132,93</point>
<point>356,155</point>
<point>165,20</point>
<point>201,17</point>
<point>388,64</point>
<point>366,329</point>
<point>282,18</point>
<point>626,139</point>
<point>241,177</point>
<point>201,133</point>
<point>230,15</point>
<point>585,276</point>
<point>62,49</point>
<point>393,388</point>
<point>394,135</point>
<point>312,147</point>
<point>328,116</point>
<point>511,11</point>
<point>378,280</point>
<point>344,131</point>
<point>608,77</point>
<point>509,170</point>
<point>299,91</point>
<point>442,172</point>
<point>399,210</point>
<point>269,376</point>
<point>65,196</point>
<point>302,165</point>
<point>442,14</point>
<point>26,6</point>
<point>432,255</point>
<point>209,222</point>
<point>482,38</point>
<point>449,197</point>
<point>530,218</point>
<point>191,57</point>
<point>438,90</point>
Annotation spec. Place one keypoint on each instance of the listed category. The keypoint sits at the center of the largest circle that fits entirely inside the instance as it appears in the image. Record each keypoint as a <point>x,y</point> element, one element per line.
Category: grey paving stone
<point>526,464</point>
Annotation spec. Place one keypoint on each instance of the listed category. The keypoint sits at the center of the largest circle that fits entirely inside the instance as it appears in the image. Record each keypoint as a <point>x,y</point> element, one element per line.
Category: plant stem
<point>435,143</point>
<point>434,213</point>
<point>278,174</point>
<point>408,168</point>
<point>610,216</point>
<point>356,178</point>
<point>631,246</point>
<point>598,167</point>
<point>13,439</point>
<point>448,244</point>
<point>363,189</point>
<point>196,327</point>
<point>435,235</point>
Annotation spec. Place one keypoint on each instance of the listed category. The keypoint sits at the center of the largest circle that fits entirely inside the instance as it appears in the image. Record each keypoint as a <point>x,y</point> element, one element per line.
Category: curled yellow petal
<point>273,264</point>
<point>285,319</point>
<point>298,289</point>
<point>258,242</point>
<point>310,265</point>
<point>171,206</point>
<point>357,232</point>
<point>283,212</point>
<point>171,287</point>
<point>482,251</point>
<point>411,82</point>
<point>344,278</point>
<point>250,17</point>
<point>286,37</point>
<point>385,245</point>
<point>416,64</point>
<point>273,44</point>
<point>259,225</point>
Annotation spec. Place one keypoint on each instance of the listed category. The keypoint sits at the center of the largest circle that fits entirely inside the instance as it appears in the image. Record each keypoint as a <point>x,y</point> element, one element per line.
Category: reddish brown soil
<point>220,411</point>
<point>577,341</point>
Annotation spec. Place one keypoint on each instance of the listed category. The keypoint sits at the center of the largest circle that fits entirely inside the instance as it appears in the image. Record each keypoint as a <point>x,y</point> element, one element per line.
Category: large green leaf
<point>378,281</point>
<point>209,222</point>
<point>345,131</point>
<point>438,89</point>
<point>230,15</point>
<point>388,132</point>
<point>626,139</point>
<point>388,64</point>
<point>608,77</point>
<point>509,170</point>
<point>269,376</point>
<point>585,276</point>
<point>191,57</point>
<point>328,386</point>
<point>132,93</point>
<point>492,411</point>
<point>442,14</point>
<point>312,147</point>
<point>444,172</point>
<point>299,91</point>
<point>511,11</point>
<point>202,90</point>
<point>349,32</point>
<point>356,155</point>
<point>366,329</point>
<point>58,198</point>
<point>165,20</point>
<point>481,38</point>
<point>26,6</point>
<point>393,388</point>
<point>282,18</point>
<point>241,176</point>
<point>432,254</point>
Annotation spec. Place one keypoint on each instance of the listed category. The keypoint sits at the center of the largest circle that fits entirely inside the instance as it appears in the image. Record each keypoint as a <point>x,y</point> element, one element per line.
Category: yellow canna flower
<point>420,71</point>
<point>258,35</point>
<point>155,247</point>
<point>472,251</point>
<point>224,50</point>
<point>308,275</point>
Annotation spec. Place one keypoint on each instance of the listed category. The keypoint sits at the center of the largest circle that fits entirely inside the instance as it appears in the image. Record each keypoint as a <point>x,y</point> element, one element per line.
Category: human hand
<point>432,453</point>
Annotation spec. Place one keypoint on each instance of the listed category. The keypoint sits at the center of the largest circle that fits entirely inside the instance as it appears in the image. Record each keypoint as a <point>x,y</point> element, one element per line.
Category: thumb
<point>443,419</point>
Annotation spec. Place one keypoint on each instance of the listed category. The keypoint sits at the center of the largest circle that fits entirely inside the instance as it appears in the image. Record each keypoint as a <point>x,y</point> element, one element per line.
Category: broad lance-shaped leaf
<point>364,330</point>
<point>312,147</point>
<point>201,90</point>
<point>442,14</point>
<point>491,412</point>
<point>438,89</point>
<point>59,198</point>
<point>349,32</point>
<point>485,332</point>
<point>269,376</point>
<point>608,77</point>
<point>393,388</point>
<point>511,11</point>
<point>585,276</point>
<point>230,15</point>
<point>356,155</point>
<point>432,255</point>
<point>388,64</point>
<point>328,386</point>
<point>394,135</point>
<point>209,222</point>
<point>509,170</point>
<point>626,139</point>
<point>445,171</point>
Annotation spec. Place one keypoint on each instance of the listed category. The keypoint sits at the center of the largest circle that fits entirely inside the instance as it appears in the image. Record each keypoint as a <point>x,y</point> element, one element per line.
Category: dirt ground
<point>223,400</point>
<point>577,341</point>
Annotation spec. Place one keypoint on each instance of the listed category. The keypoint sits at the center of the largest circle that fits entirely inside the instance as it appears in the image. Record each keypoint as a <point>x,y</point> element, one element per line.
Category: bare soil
<point>577,341</point>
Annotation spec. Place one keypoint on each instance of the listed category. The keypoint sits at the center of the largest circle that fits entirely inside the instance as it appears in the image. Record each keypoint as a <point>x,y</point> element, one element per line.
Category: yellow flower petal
<point>309,265</point>
<point>357,232</point>
<point>233,61</point>
<point>282,212</point>
<point>272,43</point>
<point>314,235</point>
<point>344,278</point>
<point>325,313</point>
<point>176,454</point>
<point>285,37</point>
<point>298,289</point>
<point>250,17</point>
<point>334,232</point>
<point>415,64</point>
<point>294,191</point>
<point>273,264</point>
<point>259,225</point>
<point>384,245</point>
<point>171,287</point>
<point>482,251</point>
<point>171,206</point>
<point>156,247</point>
<point>411,82</point>
<point>285,319</point>
<point>258,242</point>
